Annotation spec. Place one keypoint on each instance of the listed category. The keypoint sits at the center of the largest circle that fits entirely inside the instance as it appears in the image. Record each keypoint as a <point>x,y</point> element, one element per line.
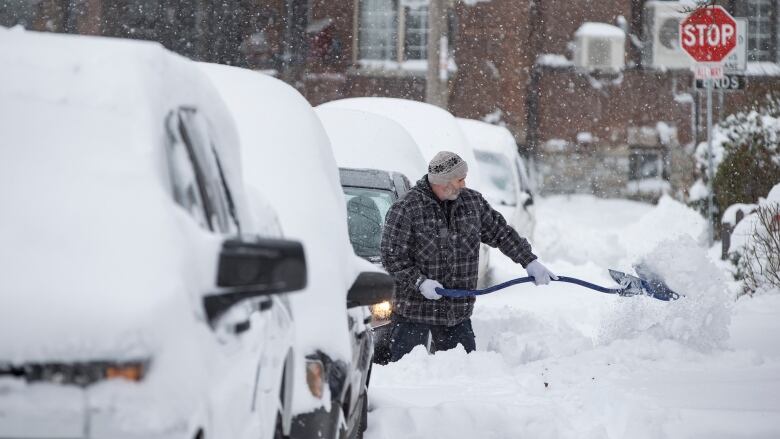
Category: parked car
<point>434,130</point>
<point>377,161</point>
<point>287,153</point>
<point>505,177</point>
<point>136,300</point>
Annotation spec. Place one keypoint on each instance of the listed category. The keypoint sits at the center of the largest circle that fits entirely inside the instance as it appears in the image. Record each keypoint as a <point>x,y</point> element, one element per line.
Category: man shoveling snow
<point>431,240</point>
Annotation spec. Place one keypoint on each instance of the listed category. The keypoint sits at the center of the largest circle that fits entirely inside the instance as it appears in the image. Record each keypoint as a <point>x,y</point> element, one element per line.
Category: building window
<point>393,30</point>
<point>645,163</point>
<point>761,16</point>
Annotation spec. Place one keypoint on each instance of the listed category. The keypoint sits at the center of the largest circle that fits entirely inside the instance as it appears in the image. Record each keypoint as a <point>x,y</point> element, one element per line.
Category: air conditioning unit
<point>661,35</point>
<point>600,46</point>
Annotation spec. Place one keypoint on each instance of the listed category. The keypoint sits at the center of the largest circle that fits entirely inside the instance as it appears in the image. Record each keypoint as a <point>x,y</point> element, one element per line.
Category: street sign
<point>708,34</point>
<point>708,71</point>
<point>736,62</point>
<point>728,82</point>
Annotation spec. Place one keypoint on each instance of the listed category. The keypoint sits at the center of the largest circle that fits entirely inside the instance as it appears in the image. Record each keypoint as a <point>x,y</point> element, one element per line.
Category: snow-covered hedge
<point>755,246</point>
<point>746,157</point>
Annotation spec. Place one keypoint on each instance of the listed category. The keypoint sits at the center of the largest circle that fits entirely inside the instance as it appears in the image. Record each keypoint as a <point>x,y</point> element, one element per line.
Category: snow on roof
<point>433,128</point>
<point>553,60</point>
<point>288,156</point>
<point>85,196</point>
<point>366,140</point>
<point>488,137</point>
<point>600,30</point>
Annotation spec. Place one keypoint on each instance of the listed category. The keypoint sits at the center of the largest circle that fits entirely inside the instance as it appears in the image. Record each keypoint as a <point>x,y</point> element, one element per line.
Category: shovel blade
<point>649,285</point>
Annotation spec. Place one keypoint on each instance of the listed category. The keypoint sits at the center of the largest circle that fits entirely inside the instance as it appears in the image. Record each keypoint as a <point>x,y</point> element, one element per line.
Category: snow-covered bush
<point>746,157</point>
<point>755,246</point>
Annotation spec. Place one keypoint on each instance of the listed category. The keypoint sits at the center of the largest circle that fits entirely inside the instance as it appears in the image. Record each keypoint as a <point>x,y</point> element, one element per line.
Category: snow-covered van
<point>433,129</point>
<point>378,161</point>
<point>287,154</point>
<point>505,178</point>
<point>136,297</point>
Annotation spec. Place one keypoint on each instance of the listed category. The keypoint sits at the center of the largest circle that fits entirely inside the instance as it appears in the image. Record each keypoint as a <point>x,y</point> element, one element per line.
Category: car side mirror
<point>370,288</point>
<point>529,201</point>
<point>256,268</point>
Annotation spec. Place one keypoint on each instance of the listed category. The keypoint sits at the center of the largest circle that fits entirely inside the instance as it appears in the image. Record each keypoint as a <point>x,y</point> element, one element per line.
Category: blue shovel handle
<point>448,292</point>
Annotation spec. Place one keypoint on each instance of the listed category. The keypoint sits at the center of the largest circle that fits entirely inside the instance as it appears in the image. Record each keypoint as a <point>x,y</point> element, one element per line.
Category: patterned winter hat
<point>445,167</point>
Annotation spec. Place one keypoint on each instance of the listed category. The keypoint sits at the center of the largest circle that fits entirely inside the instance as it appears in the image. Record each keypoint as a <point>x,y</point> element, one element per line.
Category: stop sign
<point>708,34</point>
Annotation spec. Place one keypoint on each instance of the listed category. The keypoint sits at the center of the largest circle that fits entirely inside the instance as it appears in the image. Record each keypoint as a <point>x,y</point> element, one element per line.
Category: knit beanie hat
<point>445,167</point>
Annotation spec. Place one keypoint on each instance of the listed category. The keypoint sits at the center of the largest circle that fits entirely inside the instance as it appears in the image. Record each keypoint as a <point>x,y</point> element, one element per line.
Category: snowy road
<point>566,362</point>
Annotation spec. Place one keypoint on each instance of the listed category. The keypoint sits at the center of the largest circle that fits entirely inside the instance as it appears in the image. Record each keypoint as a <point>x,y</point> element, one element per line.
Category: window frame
<point>400,40</point>
<point>193,131</point>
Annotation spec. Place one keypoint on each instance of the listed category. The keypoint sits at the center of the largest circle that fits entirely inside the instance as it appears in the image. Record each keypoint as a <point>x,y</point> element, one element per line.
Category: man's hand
<point>539,272</point>
<point>428,289</point>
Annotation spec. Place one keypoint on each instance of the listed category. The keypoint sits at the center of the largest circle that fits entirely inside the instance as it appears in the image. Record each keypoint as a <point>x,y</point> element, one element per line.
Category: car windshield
<point>497,172</point>
<point>366,210</point>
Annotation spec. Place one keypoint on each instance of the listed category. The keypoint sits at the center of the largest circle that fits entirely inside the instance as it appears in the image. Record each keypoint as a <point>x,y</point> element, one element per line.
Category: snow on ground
<point>566,362</point>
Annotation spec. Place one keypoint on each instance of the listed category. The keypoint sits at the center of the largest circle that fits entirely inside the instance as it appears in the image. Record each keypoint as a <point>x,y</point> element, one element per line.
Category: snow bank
<point>699,320</point>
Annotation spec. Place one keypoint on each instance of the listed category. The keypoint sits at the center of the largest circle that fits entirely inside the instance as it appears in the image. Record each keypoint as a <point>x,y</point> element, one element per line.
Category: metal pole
<point>710,170</point>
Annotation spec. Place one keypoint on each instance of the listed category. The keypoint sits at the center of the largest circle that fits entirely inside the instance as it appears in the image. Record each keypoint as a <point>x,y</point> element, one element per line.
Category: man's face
<point>451,190</point>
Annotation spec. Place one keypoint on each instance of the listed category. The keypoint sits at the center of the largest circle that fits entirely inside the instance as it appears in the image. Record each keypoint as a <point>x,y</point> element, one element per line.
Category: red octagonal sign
<point>709,34</point>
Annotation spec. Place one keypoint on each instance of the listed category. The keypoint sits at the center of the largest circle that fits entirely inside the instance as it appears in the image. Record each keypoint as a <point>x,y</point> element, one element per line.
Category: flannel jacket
<point>418,242</point>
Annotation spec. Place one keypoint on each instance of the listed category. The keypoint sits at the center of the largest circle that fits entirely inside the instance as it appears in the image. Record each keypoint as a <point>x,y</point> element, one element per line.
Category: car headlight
<point>382,311</point>
<point>79,374</point>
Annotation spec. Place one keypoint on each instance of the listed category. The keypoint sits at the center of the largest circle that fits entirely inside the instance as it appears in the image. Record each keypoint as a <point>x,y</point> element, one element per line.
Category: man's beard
<point>452,194</point>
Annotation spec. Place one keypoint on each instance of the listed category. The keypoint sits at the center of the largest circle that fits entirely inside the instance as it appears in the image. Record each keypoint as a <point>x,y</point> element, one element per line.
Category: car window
<point>187,191</point>
<point>500,178</point>
<point>195,133</point>
<point>366,211</point>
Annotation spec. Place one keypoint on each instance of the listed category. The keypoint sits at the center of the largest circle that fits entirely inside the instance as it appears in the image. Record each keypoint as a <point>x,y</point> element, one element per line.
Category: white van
<point>286,154</point>
<point>136,299</point>
<point>434,130</point>
<point>504,173</point>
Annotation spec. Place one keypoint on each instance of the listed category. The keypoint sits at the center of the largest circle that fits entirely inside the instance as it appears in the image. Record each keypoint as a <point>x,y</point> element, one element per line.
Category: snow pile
<point>699,320</point>
<point>669,220</point>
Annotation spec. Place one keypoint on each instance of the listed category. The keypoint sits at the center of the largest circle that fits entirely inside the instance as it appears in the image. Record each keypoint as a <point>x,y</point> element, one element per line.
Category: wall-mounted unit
<point>661,48</point>
<point>600,46</point>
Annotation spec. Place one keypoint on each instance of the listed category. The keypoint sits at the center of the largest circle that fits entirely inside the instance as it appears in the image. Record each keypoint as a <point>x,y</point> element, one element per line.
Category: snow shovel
<point>629,286</point>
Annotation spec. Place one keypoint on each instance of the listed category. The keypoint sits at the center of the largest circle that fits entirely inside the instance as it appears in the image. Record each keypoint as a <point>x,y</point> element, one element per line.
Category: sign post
<point>709,35</point>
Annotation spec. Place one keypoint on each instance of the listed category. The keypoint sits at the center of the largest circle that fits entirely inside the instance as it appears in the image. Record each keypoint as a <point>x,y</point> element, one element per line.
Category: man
<point>431,239</point>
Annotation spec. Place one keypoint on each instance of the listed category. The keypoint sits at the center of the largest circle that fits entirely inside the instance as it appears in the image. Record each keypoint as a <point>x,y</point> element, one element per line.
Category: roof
<point>432,128</point>
<point>487,137</point>
<point>361,139</point>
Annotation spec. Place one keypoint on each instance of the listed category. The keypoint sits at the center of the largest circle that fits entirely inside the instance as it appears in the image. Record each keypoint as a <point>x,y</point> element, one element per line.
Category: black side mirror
<point>529,201</point>
<point>256,268</point>
<point>370,288</point>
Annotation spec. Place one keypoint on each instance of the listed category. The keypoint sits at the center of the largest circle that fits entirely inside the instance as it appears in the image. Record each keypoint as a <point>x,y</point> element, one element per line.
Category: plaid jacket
<point>417,243</point>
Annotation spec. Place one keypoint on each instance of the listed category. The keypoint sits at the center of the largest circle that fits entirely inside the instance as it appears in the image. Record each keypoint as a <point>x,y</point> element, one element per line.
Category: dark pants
<point>405,335</point>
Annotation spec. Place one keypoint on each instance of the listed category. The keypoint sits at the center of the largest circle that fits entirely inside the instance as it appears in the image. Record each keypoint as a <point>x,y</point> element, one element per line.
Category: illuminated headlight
<point>79,374</point>
<point>381,311</point>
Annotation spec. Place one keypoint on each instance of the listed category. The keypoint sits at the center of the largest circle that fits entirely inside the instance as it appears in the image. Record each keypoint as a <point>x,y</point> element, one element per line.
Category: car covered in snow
<point>433,129</point>
<point>287,154</point>
<point>378,160</point>
<point>137,298</point>
<point>505,177</point>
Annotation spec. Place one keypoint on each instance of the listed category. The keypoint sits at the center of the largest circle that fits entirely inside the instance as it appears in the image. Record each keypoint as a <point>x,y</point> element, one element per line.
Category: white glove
<point>428,289</point>
<point>540,273</point>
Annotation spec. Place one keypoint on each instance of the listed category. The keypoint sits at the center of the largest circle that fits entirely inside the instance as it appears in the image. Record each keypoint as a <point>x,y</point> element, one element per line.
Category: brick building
<point>592,90</point>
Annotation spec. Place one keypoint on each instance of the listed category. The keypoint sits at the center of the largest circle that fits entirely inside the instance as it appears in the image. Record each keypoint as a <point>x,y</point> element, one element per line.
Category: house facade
<point>596,93</point>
